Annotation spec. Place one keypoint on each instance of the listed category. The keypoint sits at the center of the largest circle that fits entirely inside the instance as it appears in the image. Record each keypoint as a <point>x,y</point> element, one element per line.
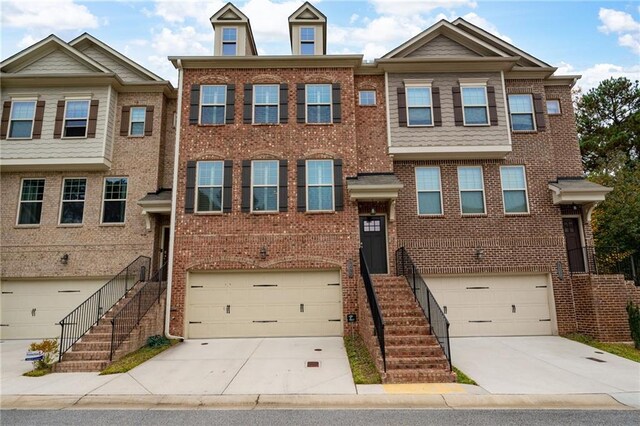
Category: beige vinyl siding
<point>448,134</point>
<point>47,147</point>
<point>123,71</point>
<point>442,46</point>
<point>54,63</point>
<point>111,125</point>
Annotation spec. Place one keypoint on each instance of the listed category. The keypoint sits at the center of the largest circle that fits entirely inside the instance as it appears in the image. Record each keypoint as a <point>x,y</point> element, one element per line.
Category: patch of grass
<point>620,349</point>
<point>136,358</point>
<point>463,378</point>
<point>363,368</point>
<point>38,372</point>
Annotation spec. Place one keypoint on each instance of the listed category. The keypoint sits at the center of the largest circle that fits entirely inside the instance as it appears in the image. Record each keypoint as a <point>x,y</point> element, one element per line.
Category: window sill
<point>117,225</point>
<point>320,212</point>
<point>266,124</point>
<point>70,225</point>
<point>413,126</point>
<point>477,125</point>
<point>74,137</point>
<point>319,124</point>
<point>212,125</point>
<point>524,132</point>
<point>208,213</point>
<point>373,105</point>
<point>431,216</point>
<point>135,137</point>
<point>27,226</point>
<point>270,213</point>
<point>19,139</point>
<point>473,215</point>
<point>517,214</point>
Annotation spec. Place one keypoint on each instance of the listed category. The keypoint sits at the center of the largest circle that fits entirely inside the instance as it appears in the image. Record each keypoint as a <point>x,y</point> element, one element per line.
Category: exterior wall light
<point>64,259</point>
<point>263,253</point>
<point>479,253</point>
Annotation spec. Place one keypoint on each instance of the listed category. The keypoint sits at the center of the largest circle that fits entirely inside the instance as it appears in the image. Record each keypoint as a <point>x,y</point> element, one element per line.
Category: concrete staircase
<point>413,355</point>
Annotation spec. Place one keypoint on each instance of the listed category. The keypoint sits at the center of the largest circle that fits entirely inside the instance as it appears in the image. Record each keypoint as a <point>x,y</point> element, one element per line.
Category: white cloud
<point>178,11</point>
<point>354,18</point>
<point>417,7</point>
<point>47,16</point>
<point>622,24</point>
<point>485,25</point>
<point>27,41</point>
<point>593,75</point>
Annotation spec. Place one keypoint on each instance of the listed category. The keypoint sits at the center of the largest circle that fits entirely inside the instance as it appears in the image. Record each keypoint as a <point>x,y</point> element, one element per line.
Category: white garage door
<point>503,305</point>
<point>31,309</point>
<point>241,304</point>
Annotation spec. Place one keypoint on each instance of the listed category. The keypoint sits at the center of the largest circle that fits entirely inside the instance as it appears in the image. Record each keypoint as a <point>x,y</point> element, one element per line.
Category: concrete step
<point>419,376</point>
<point>80,366</point>
<point>74,355</point>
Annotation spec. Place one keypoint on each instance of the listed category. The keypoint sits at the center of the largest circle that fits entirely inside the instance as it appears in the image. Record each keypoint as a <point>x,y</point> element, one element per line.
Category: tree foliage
<point>608,119</point>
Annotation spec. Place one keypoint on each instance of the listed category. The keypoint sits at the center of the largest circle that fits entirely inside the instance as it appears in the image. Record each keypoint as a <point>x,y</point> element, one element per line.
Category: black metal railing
<point>438,323</point>
<point>376,312</point>
<point>129,316</point>
<point>85,316</point>
<point>604,261</point>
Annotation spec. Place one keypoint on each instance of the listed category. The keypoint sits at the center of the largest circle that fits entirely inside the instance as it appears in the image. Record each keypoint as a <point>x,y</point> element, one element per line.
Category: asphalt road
<point>318,417</point>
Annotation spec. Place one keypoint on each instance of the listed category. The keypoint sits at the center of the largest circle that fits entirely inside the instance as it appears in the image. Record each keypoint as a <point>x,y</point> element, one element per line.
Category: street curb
<point>270,402</point>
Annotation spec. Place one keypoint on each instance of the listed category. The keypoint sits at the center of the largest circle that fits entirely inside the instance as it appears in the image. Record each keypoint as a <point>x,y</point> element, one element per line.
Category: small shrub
<point>634,322</point>
<point>49,348</point>
<point>157,341</point>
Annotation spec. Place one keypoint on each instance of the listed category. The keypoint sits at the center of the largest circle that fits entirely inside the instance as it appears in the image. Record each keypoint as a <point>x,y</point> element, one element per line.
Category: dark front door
<point>166,234</point>
<point>575,252</point>
<point>374,243</point>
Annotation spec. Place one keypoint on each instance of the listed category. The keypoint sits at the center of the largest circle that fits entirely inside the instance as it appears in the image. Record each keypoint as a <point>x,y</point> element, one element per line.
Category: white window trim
<point>144,121</point>
<point>202,104</point>
<point>27,225</point>
<point>62,200</point>
<point>526,192</point>
<point>484,195</point>
<point>277,185</point>
<point>559,107</point>
<point>223,42</point>
<point>313,42</point>
<point>532,113</point>
<point>64,118</point>
<point>332,185</point>
<point>104,193</point>
<point>486,104</point>
<point>33,119</point>
<point>430,106</point>
<point>277,103</point>
<point>306,102</point>
<point>429,190</point>
<point>221,186</point>
<point>375,97</point>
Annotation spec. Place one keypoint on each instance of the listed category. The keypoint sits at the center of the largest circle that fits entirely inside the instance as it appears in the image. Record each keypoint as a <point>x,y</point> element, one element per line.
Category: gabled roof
<point>43,48</point>
<point>87,38</point>
<point>308,14</point>
<point>528,60</point>
<point>229,14</point>
<point>450,31</point>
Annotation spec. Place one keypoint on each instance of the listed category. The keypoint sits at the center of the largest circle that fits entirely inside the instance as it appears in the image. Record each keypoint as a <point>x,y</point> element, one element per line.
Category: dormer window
<point>307,41</point>
<point>229,41</point>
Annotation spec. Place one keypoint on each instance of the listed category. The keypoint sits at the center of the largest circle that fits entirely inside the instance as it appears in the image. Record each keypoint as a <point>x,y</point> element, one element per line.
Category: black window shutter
<point>300,101</point>
<point>284,103</point>
<point>246,186</point>
<point>284,185</point>
<point>337,106</point>
<point>248,104</point>
<point>148,121</point>
<point>124,120</point>
<point>302,186</point>
<point>6,111</point>
<point>227,187</point>
<point>190,194</point>
<point>194,108</point>
<point>437,107</point>
<point>493,109</point>
<point>37,120</point>
<point>537,107</point>
<point>457,106</point>
<point>230,113</point>
<point>402,107</point>
<point>337,185</point>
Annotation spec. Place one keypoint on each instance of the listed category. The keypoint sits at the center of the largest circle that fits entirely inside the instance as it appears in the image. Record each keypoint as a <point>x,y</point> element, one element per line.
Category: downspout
<point>174,199</point>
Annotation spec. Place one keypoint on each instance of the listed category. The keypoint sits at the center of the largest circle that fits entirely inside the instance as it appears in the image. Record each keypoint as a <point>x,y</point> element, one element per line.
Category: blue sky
<point>597,39</point>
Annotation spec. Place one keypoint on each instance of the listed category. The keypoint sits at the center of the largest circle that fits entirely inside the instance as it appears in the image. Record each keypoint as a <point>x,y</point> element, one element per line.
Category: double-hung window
<point>266,103</point>
<point>229,41</point>
<point>114,200</point>
<point>471,186</point>
<point>307,41</point>
<point>367,97</point>
<point>514,189</point>
<point>429,190</point>
<point>72,205</point>
<point>212,104</point>
<point>209,179</point>
<point>320,196</point>
<point>318,103</point>
<point>136,125</point>
<point>264,186</point>
<point>419,111</point>
<point>76,117</point>
<point>521,109</point>
<point>475,108</point>
<point>21,117</point>
<point>31,195</point>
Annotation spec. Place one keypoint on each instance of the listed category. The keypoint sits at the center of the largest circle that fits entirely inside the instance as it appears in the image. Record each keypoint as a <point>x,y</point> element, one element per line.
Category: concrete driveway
<point>544,365</point>
<point>204,367</point>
